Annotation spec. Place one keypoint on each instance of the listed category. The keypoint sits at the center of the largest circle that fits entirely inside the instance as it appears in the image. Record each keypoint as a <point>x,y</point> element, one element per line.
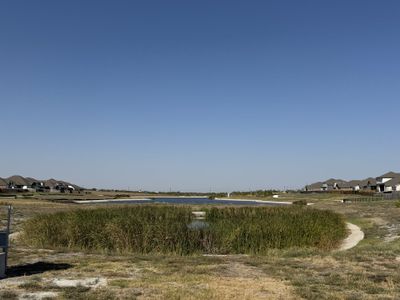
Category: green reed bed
<point>255,230</point>
<point>164,229</point>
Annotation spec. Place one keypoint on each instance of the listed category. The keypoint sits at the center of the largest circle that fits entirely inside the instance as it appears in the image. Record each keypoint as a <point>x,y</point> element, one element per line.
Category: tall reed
<point>164,229</point>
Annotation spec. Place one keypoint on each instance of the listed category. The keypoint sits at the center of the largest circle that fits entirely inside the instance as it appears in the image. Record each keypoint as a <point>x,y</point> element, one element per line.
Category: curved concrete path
<point>355,236</point>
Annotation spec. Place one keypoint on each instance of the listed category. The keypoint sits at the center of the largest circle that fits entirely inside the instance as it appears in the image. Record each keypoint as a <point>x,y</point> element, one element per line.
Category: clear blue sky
<point>199,95</point>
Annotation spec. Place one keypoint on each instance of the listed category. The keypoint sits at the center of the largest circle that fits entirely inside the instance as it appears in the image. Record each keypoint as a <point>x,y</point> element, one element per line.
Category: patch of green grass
<point>300,202</point>
<point>121,283</point>
<point>32,285</point>
<point>75,293</point>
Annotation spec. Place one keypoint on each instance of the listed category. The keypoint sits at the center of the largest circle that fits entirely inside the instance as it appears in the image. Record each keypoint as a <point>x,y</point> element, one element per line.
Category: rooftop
<point>389,175</point>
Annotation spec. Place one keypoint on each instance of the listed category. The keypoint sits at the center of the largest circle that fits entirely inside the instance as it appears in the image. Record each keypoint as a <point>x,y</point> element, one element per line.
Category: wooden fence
<point>380,197</point>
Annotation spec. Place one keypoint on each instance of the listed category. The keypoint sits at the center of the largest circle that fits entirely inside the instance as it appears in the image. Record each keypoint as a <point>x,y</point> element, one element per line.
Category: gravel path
<point>355,236</point>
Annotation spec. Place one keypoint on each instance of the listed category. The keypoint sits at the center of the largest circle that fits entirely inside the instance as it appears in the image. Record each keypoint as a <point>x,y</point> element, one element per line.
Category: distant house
<point>368,184</point>
<point>329,185</point>
<point>354,185</point>
<point>387,183</point>
<point>40,187</point>
<point>345,186</point>
<point>315,187</point>
<point>18,183</point>
<point>333,184</point>
<point>63,188</point>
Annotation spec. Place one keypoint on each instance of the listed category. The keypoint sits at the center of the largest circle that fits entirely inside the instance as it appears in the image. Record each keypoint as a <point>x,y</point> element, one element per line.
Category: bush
<point>121,196</point>
<point>300,202</point>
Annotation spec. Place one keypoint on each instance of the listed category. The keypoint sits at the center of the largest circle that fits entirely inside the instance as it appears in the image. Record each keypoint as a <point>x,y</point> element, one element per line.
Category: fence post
<point>9,209</point>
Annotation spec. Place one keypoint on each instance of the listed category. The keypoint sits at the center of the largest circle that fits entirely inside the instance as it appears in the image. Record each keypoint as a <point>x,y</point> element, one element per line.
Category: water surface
<point>191,201</point>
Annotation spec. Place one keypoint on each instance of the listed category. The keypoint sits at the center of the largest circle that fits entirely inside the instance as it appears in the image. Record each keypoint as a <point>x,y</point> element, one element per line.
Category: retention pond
<point>184,200</point>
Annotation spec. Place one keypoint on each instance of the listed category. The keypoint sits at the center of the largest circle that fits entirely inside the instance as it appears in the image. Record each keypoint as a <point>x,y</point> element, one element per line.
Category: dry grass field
<point>368,271</point>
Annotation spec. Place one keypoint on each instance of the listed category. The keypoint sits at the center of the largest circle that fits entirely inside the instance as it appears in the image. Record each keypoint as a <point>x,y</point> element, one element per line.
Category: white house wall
<point>388,189</point>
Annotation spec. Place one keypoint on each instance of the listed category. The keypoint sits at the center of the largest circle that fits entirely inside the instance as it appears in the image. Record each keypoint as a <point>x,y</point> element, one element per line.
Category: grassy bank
<point>163,229</point>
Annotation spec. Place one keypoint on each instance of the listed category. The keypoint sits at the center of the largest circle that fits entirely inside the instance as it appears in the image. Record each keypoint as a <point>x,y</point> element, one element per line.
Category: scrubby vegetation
<point>300,202</point>
<point>258,193</point>
<point>164,229</point>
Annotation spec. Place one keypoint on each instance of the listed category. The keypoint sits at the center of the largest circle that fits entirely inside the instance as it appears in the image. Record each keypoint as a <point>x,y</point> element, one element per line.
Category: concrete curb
<point>356,235</point>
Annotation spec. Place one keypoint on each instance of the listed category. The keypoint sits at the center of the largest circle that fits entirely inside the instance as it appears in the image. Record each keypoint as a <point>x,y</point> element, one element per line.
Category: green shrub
<point>119,196</point>
<point>164,229</point>
<point>300,202</point>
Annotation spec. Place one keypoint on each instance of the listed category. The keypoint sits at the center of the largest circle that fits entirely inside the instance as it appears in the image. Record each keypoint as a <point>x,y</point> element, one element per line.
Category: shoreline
<point>109,200</point>
<point>175,197</point>
<point>255,200</point>
<point>96,201</point>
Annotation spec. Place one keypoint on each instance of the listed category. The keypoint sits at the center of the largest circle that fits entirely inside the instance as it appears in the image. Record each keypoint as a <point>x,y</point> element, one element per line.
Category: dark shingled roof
<point>314,186</point>
<point>367,182</point>
<point>346,185</point>
<point>389,175</point>
<point>19,180</point>
<point>332,181</point>
<point>354,182</point>
<point>370,180</point>
<point>393,182</point>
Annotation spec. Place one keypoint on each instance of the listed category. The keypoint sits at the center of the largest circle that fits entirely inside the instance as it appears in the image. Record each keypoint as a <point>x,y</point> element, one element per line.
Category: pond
<point>183,200</point>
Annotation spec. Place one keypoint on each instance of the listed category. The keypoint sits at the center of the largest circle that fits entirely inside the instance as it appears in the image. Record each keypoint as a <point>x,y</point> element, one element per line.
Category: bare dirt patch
<point>38,295</point>
<point>393,232</point>
<point>85,282</point>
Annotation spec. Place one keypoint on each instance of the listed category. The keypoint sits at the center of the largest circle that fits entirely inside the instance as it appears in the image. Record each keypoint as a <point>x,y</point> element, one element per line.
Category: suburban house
<point>328,185</point>
<point>336,184</point>
<point>389,182</point>
<point>17,183</point>
<point>368,184</point>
